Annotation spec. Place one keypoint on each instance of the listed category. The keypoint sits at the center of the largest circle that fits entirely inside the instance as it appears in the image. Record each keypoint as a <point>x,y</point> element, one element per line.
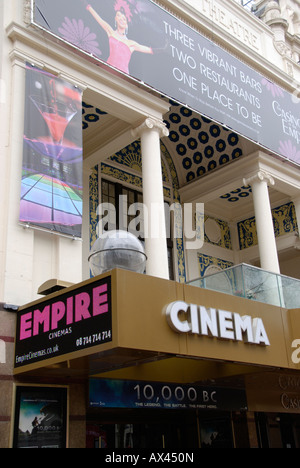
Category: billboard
<point>140,39</point>
<point>51,189</point>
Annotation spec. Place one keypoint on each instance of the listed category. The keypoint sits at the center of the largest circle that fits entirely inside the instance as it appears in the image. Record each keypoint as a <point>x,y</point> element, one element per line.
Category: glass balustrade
<point>255,284</point>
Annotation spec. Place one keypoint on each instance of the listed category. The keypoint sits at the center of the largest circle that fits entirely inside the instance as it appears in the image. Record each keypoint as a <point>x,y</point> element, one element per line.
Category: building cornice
<point>214,185</point>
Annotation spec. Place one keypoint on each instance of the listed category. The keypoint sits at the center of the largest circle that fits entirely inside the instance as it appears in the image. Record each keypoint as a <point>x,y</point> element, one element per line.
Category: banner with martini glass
<point>51,189</point>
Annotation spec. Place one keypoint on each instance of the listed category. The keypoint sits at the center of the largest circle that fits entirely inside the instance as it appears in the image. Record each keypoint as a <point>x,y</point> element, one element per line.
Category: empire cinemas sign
<point>202,321</point>
<point>76,320</point>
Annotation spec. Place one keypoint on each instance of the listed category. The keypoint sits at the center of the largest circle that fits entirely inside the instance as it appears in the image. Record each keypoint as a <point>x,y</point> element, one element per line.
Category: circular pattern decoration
<point>220,146</point>
<point>175,118</point>
<point>233,139</point>
<point>201,171</point>
<point>209,152</point>
<point>213,230</point>
<point>215,131</point>
<point>184,130</point>
<point>224,159</point>
<point>187,163</point>
<point>203,138</point>
<point>173,136</point>
<point>185,112</point>
<point>195,124</point>
<point>203,144</point>
<point>192,143</point>
<point>237,194</point>
<point>197,158</point>
<point>90,115</point>
<point>181,149</point>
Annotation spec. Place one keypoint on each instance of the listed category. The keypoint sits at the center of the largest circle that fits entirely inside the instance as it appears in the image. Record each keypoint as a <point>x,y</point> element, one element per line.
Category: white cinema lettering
<point>199,320</point>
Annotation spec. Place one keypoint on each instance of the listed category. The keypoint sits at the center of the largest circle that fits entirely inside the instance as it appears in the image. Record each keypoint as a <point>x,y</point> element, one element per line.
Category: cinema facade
<point>115,112</point>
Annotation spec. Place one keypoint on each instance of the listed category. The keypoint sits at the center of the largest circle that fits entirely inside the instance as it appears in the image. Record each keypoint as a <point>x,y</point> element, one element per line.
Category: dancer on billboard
<point>121,48</point>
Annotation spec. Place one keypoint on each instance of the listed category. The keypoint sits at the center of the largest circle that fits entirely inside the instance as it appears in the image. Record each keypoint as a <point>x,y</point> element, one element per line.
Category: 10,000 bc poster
<point>142,40</point>
<point>41,417</point>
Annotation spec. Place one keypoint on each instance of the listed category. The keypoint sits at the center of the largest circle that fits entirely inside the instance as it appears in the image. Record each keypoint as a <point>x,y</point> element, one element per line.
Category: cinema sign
<point>122,319</point>
<point>217,323</point>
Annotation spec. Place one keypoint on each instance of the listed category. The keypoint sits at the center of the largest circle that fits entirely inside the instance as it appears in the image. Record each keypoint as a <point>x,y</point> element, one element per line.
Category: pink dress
<point>120,55</point>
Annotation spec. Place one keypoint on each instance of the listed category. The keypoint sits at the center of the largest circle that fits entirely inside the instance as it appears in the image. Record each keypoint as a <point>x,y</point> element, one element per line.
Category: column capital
<point>259,176</point>
<point>151,124</point>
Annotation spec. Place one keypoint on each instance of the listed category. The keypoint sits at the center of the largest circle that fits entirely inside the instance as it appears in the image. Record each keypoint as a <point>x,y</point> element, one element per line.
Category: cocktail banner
<point>51,189</point>
<point>140,39</point>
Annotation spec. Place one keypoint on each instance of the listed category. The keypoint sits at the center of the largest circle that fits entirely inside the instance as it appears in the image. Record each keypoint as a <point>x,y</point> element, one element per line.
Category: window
<point>120,210</point>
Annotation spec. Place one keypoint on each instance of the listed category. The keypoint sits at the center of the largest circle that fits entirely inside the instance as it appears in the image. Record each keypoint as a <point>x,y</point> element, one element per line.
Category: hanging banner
<point>51,190</point>
<point>139,38</point>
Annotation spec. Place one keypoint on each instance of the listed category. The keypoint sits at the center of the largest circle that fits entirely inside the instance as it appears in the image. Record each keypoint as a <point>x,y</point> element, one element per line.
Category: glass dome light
<point>117,249</point>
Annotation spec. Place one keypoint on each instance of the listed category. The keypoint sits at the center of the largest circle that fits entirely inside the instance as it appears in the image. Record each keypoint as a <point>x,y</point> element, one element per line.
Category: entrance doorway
<point>158,429</point>
<point>276,430</point>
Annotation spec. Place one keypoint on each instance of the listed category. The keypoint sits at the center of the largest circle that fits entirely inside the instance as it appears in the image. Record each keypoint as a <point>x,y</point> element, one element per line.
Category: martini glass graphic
<point>57,115</point>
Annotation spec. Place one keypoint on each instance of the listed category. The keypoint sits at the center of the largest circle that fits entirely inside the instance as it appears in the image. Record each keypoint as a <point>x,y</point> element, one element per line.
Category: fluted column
<point>264,221</point>
<point>150,133</point>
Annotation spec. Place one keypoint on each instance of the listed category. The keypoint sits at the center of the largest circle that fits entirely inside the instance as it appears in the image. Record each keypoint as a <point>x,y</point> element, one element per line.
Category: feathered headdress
<point>123,6</point>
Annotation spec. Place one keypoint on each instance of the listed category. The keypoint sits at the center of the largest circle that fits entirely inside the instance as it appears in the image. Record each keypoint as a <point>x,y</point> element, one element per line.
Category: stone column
<point>150,133</point>
<point>264,221</point>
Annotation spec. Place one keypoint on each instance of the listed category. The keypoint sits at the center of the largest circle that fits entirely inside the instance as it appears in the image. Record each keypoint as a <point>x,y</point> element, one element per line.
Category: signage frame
<point>33,400</point>
<point>142,336</point>
<point>163,395</point>
<point>51,185</point>
<point>91,329</point>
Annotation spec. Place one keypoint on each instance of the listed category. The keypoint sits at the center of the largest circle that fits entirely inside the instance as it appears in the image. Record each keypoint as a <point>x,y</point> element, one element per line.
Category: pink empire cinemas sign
<point>75,320</point>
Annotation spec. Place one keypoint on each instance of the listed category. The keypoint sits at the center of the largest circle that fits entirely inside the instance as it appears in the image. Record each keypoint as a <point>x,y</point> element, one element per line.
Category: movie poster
<point>142,40</point>
<point>40,417</point>
<point>51,189</point>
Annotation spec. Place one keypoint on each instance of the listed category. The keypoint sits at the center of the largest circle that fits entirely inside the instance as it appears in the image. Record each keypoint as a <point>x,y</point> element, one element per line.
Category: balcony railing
<point>255,284</point>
